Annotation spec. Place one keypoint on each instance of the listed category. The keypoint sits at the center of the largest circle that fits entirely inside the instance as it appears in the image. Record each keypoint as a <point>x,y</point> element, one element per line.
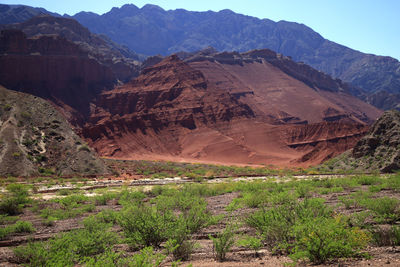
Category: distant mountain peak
<point>152,7</point>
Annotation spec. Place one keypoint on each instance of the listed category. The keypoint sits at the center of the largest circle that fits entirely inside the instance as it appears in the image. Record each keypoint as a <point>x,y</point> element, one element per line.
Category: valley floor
<point>280,219</point>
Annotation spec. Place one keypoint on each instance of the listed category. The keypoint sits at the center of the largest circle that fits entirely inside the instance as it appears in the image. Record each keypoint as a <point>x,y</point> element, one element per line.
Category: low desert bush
<point>223,242</point>
<point>250,242</point>
<point>147,257</point>
<point>308,230</point>
<point>320,239</point>
<point>145,225</point>
<point>69,249</point>
<point>14,199</point>
<point>386,209</point>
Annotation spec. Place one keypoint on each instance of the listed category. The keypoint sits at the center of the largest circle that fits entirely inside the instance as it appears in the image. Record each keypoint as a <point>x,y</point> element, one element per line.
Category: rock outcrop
<point>378,150</point>
<point>35,139</point>
<point>382,143</point>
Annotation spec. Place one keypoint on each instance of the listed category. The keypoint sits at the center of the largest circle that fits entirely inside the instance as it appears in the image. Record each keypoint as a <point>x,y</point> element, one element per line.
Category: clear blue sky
<point>371,26</point>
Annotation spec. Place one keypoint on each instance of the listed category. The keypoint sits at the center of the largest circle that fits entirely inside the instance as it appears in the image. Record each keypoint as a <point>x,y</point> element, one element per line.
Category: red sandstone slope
<point>276,86</point>
<point>223,112</point>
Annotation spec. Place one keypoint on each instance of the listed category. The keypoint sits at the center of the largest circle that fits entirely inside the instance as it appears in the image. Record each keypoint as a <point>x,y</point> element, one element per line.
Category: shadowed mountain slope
<point>123,62</point>
<point>53,68</point>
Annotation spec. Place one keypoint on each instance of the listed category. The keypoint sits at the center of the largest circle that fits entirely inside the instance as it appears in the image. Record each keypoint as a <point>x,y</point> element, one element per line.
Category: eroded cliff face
<point>206,110</point>
<point>168,97</point>
<point>324,140</point>
<point>53,68</point>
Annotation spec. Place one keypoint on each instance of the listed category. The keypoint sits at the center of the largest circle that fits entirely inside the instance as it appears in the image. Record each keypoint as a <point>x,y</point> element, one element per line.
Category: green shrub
<point>18,227</point>
<point>383,236</point>
<point>69,249</point>
<point>4,232</point>
<point>14,200</point>
<point>171,217</point>
<point>10,206</point>
<point>393,182</point>
<point>396,235</point>
<point>107,216</point>
<point>23,227</point>
<point>386,209</point>
<point>276,224</point>
<point>250,242</point>
<point>109,258</point>
<point>359,219</point>
<point>368,180</point>
<point>102,199</point>
<point>303,190</point>
<point>348,202</point>
<point>254,200</point>
<point>223,242</point>
<point>321,239</point>
<point>145,225</point>
<point>146,258</point>
<point>128,197</point>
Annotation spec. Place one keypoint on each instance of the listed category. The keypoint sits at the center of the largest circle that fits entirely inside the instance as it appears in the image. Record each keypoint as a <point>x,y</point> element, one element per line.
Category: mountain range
<point>152,30</point>
<point>251,107</point>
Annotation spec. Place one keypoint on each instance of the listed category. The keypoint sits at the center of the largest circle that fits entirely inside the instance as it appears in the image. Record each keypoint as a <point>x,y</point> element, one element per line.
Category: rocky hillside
<point>53,68</point>
<point>379,149</point>
<point>229,108</point>
<point>36,139</point>
<point>123,62</point>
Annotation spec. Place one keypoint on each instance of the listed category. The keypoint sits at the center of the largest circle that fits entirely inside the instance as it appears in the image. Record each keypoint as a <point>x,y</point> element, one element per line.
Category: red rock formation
<point>216,112</point>
<point>170,95</point>
<point>324,140</point>
<point>273,85</point>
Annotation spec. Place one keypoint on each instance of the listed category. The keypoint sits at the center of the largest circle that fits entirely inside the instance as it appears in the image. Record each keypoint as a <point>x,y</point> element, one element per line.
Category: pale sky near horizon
<point>370,26</point>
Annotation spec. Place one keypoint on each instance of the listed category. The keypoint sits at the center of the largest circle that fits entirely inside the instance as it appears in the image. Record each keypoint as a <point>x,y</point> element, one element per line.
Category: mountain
<point>378,150</point>
<point>123,63</point>
<point>19,13</point>
<point>255,107</point>
<point>36,139</point>
<point>53,68</point>
<point>152,30</point>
